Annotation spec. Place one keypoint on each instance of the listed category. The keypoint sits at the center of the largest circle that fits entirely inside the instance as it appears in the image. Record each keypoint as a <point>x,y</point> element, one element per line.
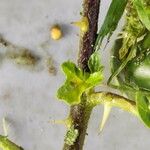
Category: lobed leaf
<point>76,83</point>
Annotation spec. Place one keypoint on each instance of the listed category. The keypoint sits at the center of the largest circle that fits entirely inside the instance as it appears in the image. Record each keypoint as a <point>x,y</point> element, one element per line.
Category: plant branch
<point>80,114</point>
<point>113,100</point>
<point>87,41</point>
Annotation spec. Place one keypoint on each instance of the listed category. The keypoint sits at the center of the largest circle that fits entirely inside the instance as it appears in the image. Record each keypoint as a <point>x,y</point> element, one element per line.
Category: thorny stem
<point>113,100</point>
<point>80,114</point>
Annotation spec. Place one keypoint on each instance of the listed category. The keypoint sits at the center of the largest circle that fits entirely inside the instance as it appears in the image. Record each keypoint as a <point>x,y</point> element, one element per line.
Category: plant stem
<point>80,113</point>
<point>87,41</point>
<point>113,100</point>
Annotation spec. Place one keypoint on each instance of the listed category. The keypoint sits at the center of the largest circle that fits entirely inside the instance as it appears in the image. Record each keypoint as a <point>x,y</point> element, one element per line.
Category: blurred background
<point>28,96</point>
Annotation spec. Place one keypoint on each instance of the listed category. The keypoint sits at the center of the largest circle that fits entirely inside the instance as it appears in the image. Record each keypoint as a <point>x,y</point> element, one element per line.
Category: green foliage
<point>133,30</point>
<point>143,106</point>
<point>6,144</point>
<point>112,18</point>
<point>143,13</point>
<point>94,63</point>
<point>123,64</point>
<point>138,71</point>
<point>77,82</point>
<point>131,59</point>
<point>146,42</point>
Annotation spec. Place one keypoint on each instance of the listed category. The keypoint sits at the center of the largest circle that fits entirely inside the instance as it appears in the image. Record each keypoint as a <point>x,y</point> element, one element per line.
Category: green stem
<point>113,100</point>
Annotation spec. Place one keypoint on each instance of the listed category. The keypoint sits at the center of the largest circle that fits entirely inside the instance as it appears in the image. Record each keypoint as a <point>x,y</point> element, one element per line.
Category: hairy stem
<point>80,114</point>
<point>87,41</point>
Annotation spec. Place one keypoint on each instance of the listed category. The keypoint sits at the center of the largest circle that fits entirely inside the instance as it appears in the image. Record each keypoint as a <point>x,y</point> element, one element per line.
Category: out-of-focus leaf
<point>6,144</point>
<point>112,18</point>
<point>143,13</point>
<point>76,83</point>
<point>143,106</point>
<point>124,63</point>
<point>146,42</point>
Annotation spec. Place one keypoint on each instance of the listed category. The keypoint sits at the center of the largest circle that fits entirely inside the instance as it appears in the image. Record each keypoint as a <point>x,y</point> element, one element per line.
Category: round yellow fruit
<point>56,32</point>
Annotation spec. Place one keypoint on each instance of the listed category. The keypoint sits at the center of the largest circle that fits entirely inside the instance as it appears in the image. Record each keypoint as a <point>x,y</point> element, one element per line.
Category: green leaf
<point>70,92</point>
<point>94,79</point>
<point>6,144</point>
<point>76,83</point>
<point>143,106</point>
<point>123,64</point>
<point>94,63</point>
<point>146,42</point>
<point>143,13</point>
<point>112,18</point>
<point>71,71</point>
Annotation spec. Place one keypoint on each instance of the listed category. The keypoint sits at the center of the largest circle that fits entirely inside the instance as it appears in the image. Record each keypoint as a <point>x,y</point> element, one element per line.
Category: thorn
<point>67,122</point>
<point>5,126</point>
<point>83,24</point>
<point>107,109</point>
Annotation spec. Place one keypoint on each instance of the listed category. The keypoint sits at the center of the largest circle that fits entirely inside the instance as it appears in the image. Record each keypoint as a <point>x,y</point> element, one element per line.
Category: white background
<point>28,99</point>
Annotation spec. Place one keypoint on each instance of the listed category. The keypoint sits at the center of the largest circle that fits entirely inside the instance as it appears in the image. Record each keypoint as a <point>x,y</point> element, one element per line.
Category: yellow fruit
<point>56,32</point>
